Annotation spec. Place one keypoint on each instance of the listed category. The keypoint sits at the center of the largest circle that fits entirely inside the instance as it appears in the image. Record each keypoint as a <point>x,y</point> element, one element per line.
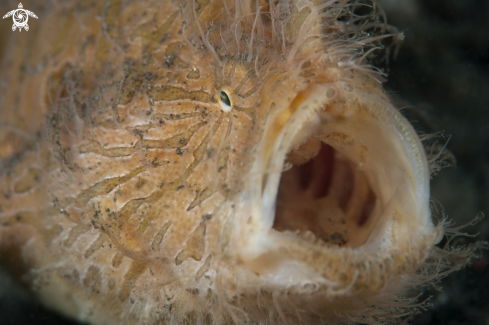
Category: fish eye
<point>225,102</point>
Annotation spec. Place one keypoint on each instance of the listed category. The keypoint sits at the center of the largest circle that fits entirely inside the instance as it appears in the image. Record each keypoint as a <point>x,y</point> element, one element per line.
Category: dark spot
<point>210,153</point>
<point>148,76</point>
<point>169,60</point>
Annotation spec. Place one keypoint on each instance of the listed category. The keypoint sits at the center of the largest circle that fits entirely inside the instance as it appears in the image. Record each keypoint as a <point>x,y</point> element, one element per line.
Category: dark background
<point>441,77</point>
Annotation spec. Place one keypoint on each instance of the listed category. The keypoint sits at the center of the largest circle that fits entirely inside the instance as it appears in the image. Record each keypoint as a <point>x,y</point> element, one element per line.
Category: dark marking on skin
<point>202,196</point>
<point>105,186</point>
<point>130,278</point>
<point>117,260</point>
<point>95,147</point>
<point>204,268</point>
<point>93,279</point>
<point>97,244</point>
<point>195,246</point>
<point>75,232</point>
<point>130,82</point>
<point>152,39</point>
<point>170,93</point>
<point>35,219</point>
<point>178,116</point>
<point>202,148</point>
<point>28,181</point>
<point>159,236</point>
<point>175,141</point>
<point>172,53</point>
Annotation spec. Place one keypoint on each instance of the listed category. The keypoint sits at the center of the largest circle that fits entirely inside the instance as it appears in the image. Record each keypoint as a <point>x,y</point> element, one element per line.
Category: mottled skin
<point>94,201</point>
<point>121,174</point>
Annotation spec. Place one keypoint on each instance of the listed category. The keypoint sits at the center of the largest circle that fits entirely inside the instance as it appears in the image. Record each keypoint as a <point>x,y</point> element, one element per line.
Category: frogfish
<point>214,162</point>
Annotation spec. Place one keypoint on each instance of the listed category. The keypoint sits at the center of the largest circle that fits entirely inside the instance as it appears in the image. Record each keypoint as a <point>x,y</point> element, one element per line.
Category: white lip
<point>397,170</point>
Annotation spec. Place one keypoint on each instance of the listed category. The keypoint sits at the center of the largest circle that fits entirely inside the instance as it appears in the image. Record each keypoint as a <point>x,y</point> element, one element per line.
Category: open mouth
<point>341,174</point>
<point>329,192</point>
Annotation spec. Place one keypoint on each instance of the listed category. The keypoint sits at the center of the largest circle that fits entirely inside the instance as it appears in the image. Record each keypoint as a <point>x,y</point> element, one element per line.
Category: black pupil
<point>225,98</point>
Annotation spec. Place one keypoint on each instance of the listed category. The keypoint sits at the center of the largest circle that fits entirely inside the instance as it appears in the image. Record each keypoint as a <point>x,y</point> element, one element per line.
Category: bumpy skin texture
<point>120,170</point>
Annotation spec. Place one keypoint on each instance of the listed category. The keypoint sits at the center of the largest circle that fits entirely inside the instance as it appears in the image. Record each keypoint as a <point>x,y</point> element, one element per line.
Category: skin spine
<point>135,192</point>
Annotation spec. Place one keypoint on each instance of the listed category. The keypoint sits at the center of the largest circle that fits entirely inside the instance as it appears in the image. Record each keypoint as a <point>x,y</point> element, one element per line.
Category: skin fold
<point>167,162</point>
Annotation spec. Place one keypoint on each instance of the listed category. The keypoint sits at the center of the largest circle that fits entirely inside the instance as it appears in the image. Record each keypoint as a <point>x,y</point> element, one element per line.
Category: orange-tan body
<point>128,193</point>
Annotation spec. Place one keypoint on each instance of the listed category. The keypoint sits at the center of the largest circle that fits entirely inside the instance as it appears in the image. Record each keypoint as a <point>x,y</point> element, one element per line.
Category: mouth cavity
<point>353,175</point>
<point>349,164</point>
<point>324,197</point>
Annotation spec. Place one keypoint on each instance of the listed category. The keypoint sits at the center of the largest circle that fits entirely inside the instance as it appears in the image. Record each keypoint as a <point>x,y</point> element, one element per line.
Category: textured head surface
<point>143,144</point>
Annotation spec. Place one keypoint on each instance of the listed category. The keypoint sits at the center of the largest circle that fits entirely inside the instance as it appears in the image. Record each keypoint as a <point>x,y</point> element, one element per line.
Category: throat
<point>324,197</point>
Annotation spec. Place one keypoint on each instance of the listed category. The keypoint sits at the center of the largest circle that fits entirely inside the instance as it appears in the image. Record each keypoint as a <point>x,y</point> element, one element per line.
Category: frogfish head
<point>330,188</point>
<point>221,162</point>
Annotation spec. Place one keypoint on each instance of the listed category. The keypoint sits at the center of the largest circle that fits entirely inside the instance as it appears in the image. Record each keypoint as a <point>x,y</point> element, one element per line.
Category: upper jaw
<point>382,152</point>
